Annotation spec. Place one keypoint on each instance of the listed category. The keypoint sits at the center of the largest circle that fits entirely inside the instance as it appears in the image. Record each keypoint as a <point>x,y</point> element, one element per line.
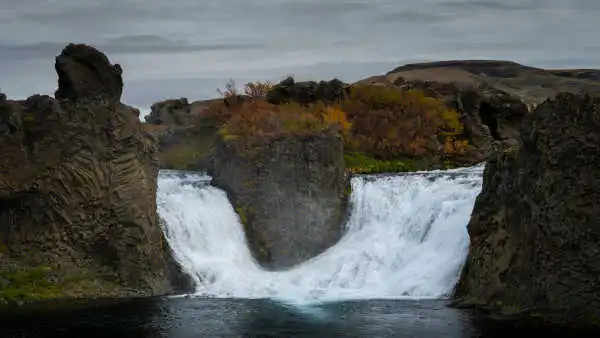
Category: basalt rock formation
<point>535,227</point>
<point>83,72</point>
<point>289,191</point>
<point>78,192</point>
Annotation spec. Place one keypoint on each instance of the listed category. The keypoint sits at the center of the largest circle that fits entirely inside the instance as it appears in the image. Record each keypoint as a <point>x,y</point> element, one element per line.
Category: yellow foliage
<point>451,124</point>
<point>452,146</point>
<point>257,89</point>
<point>335,115</point>
<point>389,122</point>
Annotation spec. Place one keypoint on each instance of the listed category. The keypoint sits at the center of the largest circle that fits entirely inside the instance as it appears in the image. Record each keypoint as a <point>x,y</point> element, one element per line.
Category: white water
<point>406,238</point>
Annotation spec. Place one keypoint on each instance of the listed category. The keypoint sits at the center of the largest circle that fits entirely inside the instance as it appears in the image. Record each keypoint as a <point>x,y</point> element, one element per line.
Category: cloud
<point>490,5</point>
<point>410,16</point>
<point>122,45</point>
<point>321,7</point>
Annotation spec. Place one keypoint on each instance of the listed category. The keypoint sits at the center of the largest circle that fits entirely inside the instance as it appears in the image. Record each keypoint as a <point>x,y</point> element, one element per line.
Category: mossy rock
<point>29,284</point>
<point>39,283</point>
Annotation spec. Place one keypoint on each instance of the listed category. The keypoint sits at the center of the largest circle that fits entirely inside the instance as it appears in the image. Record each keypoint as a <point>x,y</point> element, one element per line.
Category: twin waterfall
<point>406,238</point>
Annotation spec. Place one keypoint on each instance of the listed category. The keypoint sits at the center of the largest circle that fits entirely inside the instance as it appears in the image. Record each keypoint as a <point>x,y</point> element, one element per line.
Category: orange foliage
<point>384,122</point>
<point>452,146</point>
<point>389,122</point>
<point>261,118</point>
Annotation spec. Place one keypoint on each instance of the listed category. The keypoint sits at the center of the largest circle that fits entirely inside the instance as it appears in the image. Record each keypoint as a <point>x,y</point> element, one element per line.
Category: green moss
<point>241,211</point>
<point>348,190</point>
<point>364,164</point>
<point>27,284</point>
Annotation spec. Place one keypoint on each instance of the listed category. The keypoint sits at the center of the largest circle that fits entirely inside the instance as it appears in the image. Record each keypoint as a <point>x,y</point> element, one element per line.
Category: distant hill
<point>531,84</point>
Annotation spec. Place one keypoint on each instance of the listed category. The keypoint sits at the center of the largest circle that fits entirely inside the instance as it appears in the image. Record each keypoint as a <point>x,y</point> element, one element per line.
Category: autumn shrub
<point>336,116</point>
<point>257,89</point>
<point>384,127</point>
<point>260,118</point>
<point>229,91</point>
<point>389,122</point>
<point>249,118</point>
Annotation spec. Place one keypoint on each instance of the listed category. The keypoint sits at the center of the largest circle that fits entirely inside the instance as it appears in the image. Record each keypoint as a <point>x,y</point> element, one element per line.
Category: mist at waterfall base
<point>389,276</point>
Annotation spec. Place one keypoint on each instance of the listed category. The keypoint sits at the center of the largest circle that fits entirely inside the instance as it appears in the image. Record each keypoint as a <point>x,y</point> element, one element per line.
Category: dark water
<point>183,317</point>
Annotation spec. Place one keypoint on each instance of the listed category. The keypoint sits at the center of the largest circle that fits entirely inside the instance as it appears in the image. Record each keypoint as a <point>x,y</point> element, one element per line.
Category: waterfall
<point>406,238</point>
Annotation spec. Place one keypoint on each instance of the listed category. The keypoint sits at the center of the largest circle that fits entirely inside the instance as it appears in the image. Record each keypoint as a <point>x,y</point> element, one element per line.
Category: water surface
<point>189,317</point>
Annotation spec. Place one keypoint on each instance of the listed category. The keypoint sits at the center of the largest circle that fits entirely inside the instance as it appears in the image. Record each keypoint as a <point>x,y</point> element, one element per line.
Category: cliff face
<point>535,227</point>
<point>78,191</point>
<point>289,192</point>
<point>185,139</point>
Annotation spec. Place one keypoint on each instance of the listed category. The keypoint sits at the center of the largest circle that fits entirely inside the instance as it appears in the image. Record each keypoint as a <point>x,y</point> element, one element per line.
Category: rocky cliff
<point>289,191</point>
<point>185,139</point>
<point>535,227</point>
<point>78,191</point>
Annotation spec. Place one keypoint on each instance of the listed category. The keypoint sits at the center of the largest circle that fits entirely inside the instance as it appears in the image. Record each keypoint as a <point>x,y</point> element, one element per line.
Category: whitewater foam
<point>406,238</point>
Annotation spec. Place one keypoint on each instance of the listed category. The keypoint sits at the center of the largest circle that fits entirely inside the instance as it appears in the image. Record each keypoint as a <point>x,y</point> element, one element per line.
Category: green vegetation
<point>37,283</point>
<point>348,190</point>
<point>241,211</point>
<point>27,284</point>
<point>360,163</point>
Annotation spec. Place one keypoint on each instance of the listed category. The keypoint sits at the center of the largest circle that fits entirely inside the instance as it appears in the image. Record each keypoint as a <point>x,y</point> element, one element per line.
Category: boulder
<point>173,112</point>
<point>289,191</point>
<point>535,227</point>
<point>84,72</point>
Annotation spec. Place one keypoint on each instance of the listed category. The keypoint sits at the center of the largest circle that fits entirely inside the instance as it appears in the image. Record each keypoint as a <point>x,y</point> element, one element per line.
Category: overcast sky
<point>190,47</point>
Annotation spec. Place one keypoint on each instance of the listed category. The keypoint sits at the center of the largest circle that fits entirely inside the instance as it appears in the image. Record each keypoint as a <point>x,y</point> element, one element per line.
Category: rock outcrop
<point>535,227</point>
<point>289,191</point>
<point>184,136</point>
<point>306,92</point>
<point>83,72</point>
<point>175,112</point>
<point>78,191</point>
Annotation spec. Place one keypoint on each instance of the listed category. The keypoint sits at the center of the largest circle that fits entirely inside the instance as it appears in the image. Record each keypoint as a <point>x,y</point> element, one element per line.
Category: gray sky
<point>191,47</point>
